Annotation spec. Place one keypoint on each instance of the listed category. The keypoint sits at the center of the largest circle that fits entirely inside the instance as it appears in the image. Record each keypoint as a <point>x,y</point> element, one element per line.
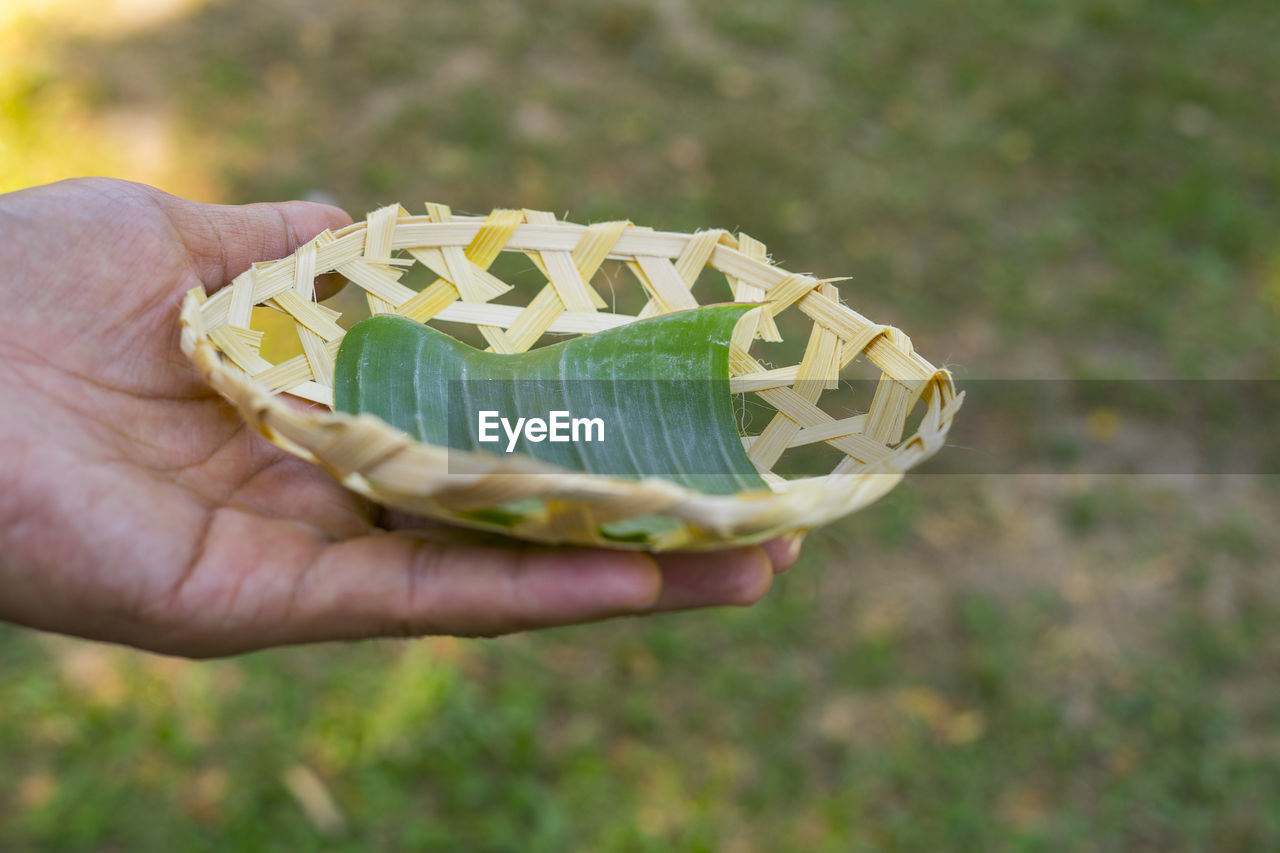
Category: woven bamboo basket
<point>553,504</point>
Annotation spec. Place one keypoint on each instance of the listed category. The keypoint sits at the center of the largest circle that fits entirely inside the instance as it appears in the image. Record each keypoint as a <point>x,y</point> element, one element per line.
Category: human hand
<point>138,508</point>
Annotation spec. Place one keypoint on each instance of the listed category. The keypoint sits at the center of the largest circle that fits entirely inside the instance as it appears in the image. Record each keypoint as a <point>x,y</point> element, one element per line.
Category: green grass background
<point>1031,189</point>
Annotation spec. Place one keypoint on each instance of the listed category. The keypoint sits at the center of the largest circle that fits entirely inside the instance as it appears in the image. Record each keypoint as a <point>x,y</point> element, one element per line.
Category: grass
<point>1085,189</point>
<point>1001,722</point>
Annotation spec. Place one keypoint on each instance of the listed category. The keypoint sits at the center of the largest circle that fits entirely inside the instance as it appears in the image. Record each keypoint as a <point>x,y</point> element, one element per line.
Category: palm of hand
<point>141,509</point>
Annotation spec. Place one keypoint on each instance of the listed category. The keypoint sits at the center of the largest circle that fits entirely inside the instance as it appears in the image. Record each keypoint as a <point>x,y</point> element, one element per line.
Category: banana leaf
<point>659,387</point>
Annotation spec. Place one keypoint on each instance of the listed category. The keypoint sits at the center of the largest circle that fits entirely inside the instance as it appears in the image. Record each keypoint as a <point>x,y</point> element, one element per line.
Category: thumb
<point>225,239</point>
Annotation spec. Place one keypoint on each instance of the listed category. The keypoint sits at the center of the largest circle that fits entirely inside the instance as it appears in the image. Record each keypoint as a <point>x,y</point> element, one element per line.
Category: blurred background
<point>1069,190</point>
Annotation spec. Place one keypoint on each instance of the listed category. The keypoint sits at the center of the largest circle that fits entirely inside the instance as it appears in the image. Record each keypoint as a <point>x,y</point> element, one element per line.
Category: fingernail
<point>792,543</point>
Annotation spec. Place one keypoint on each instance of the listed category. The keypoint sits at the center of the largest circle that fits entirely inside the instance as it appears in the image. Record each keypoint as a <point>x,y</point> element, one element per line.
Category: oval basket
<point>523,497</point>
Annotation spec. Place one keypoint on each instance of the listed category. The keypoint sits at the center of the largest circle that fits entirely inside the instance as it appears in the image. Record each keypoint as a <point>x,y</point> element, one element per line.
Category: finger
<point>737,576</point>
<point>225,239</point>
<point>402,585</point>
<point>329,284</point>
<point>688,579</point>
<point>261,582</point>
<point>784,551</point>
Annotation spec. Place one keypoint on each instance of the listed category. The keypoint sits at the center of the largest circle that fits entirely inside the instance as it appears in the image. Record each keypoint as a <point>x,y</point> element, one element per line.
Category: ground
<point>1059,660</point>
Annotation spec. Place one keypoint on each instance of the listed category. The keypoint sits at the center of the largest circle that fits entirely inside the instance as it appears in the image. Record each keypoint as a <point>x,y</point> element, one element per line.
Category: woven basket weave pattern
<point>384,464</point>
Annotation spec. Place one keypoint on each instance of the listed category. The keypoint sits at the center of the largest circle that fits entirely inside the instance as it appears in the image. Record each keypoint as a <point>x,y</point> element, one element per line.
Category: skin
<point>137,508</point>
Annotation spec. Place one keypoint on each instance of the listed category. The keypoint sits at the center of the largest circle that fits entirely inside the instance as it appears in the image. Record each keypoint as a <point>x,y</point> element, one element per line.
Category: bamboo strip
<point>663,283</point>
<point>761,324</point>
<point>562,272</point>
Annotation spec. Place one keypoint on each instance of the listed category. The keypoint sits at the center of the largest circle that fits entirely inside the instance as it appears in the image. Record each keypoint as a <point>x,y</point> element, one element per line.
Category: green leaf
<point>660,387</point>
